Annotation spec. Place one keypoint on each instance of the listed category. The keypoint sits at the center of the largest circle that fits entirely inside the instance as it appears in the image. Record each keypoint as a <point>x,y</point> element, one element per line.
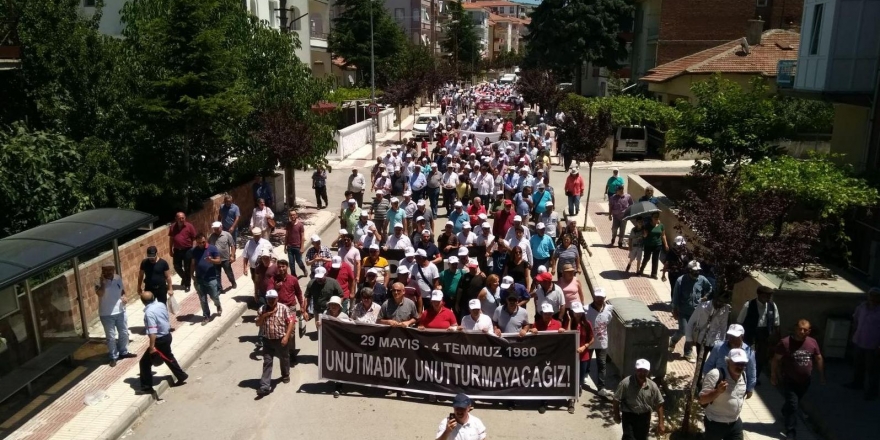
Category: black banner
<point>542,366</point>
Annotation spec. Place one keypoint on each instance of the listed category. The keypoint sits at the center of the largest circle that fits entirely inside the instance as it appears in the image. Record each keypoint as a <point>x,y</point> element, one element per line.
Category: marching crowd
<point>505,259</point>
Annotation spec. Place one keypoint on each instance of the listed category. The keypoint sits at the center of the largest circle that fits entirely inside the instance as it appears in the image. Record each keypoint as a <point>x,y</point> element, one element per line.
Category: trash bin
<point>635,333</point>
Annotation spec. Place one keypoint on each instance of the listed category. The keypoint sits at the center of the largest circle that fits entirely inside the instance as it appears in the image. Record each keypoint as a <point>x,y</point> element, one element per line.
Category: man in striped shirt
<point>277,324</point>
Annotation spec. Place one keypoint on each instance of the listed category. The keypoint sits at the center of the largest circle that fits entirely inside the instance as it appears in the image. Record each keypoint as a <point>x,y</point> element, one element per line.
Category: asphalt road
<point>219,402</point>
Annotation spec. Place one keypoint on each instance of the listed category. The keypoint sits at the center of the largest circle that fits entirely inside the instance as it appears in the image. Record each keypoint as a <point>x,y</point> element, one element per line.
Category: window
<point>426,18</point>
<point>293,14</point>
<point>273,15</point>
<point>761,3</point>
<point>88,3</point>
<point>399,14</point>
<point>816,28</point>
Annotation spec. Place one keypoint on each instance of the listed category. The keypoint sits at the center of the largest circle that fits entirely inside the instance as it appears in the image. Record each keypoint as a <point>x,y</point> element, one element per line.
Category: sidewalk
<point>68,417</point>
<point>361,157</point>
<point>606,269</point>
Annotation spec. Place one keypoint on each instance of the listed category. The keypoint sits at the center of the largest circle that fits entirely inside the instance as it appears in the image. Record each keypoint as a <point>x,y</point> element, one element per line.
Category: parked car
<point>420,128</point>
<point>565,87</point>
<point>631,141</point>
<point>507,78</point>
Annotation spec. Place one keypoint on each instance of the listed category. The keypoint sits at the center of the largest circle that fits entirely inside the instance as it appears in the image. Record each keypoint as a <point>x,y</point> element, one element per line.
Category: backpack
<point>721,376</point>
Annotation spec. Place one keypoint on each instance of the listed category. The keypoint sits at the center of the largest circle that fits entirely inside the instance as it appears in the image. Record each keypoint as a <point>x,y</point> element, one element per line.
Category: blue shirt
<point>458,220</point>
<point>393,217</point>
<point>540,200</point>
<point>522,208</point>
<point>228,215</point>
<point>688,292</point>
<point>542,247</point>
<point>716,360</point>
<point>520,291</point>
<point>206,270</point>
<point>418,181</point>
<point>613,183</point>
<point>156,319</point>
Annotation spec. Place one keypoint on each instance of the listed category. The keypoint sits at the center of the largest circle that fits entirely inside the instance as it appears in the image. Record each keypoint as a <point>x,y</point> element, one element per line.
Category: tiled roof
<point>508,19</point>
<point>473,6</point>
<point>762,59</point>
<point>490,3</point>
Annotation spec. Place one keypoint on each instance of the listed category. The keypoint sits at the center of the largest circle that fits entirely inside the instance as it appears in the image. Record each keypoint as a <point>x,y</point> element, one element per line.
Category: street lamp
<point>372,80</point>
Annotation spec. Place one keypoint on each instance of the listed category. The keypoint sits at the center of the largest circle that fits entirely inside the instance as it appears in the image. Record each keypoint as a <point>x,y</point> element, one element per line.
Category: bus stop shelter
<point>33,252</point>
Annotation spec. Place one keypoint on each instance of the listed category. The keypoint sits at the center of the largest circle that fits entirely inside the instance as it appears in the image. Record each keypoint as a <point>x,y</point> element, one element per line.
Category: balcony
<point>785,73</point>
<point>318,39</point>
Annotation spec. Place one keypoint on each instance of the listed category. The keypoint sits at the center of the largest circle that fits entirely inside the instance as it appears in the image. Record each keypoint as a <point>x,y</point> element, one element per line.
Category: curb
<point>124,421</point>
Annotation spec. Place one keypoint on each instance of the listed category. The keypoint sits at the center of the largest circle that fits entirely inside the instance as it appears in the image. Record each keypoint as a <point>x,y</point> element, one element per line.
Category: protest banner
<point>483,366</point>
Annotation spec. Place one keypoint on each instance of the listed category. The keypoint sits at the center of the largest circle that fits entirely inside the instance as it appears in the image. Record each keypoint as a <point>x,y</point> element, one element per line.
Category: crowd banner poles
<point>437,362</point>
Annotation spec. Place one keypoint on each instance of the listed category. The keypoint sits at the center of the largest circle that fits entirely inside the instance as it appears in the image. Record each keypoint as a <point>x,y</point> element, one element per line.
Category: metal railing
<point>317,34</point>
<point>785,73</point>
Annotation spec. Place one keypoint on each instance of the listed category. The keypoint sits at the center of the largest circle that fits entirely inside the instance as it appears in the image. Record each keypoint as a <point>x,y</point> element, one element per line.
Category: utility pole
<point>372,79</point>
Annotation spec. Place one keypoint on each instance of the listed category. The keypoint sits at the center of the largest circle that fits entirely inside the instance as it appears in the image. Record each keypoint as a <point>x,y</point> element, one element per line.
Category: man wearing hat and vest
<point>637,396</point>
<point>276,323</point>
<point>225,244</point>
<point>461,424</point>
<point>760,322</point>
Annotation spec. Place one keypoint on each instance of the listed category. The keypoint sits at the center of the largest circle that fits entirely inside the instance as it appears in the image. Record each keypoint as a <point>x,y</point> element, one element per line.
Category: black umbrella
<point>640,209</point>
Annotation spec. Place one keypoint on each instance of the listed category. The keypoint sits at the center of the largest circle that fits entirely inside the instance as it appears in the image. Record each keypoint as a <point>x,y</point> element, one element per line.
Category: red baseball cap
<point>546,276</point>
<point>507,202</point>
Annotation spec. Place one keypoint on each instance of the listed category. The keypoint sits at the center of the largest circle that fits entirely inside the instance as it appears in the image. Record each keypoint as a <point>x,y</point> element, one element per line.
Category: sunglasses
<point>741,364</point>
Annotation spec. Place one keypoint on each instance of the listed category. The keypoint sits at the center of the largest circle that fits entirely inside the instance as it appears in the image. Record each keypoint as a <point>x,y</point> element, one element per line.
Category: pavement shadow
<point>191,318</point>
<point>249,319</point>
<point>243,298</point>
<point>660,307</point>
<point>615,274</point>
<point>313,335</point>
<point>599,408</point>
<point>307,359</point>
<point>253,339</point>
<point>317,388</point>
<point>136,329</point>
<point>254,384</point>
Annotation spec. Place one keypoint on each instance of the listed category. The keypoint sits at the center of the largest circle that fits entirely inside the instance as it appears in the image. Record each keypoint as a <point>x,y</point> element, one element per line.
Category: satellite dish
<point>744,43</point>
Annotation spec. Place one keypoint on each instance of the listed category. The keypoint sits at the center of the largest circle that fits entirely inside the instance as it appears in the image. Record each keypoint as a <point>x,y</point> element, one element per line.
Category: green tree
<point>540,87</point>
<point>727,123</point>
<point>350,39</point>
<point>820,189</point>
<point>565,34</point>
<point>462,42</point>
<point>191,92</point>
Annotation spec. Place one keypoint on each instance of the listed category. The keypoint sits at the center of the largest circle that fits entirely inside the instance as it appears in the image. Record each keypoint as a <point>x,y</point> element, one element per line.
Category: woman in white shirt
<point>261,218</point>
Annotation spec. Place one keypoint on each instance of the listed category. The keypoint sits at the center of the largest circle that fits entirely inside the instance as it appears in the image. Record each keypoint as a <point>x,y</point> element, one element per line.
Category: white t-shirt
<point>426,283</point>
<point>727,407</point>
<point>483,323</point>
<point>472,430</point>
<point>467,239</point>
<point>260,218</point>
<point>400,243</point>
<point>600,321</point>
<point>253,249</point>
<point>111,301</point>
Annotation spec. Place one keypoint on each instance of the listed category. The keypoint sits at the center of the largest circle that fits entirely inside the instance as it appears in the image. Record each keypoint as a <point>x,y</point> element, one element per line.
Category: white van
<point>631,140</point>
<point>508,78</point>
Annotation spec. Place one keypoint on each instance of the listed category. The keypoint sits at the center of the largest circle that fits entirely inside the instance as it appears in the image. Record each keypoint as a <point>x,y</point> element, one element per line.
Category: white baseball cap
<point>506,282</point>
<point>352,202</point>
<point>271,294</point>
<point>466,225</point>
<point>216,225</point>
<point>426,232</point>
<point>380,193</point>
<point>421,202</point>
<point>517,218</point>
<point>458,204</point>
<point>320,272</point>
<point>599,293</point>
<point>437,295</point>
<point>395,200</point>
<point>402,270</point>
<point>462,252</point>
<point>266,252</point>
<point>486,225</point>
<point>549,203</point>
<point>398,225</point>
<point>680,240</point>
<point>643,364</point>
<point>694,265</point>
<point>343,231</point>
<point>374,246</point>
<point>474,304</point>
<point>257,231</point>
<point>482,216</point>
<point>450,223</point>
<point>735,330</point>
<point>336,262</point>
<point>453,260</point>
<point>420,218</point>
<point>315,238</point>
<point>540,225</point>
<point>577,307</point>
<point>542,269</point>
<point>422,253</point>
<point>546,308</point>
<point>409,252</point>
<point>335,300</point>
<point>738,355</point>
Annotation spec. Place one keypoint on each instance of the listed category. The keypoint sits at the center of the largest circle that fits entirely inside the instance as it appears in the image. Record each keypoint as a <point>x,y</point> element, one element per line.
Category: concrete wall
<point>350,139</point>
<point>635,187</point>
<point>56,302</point>
<point>386,119</point>
<point>850,133</point>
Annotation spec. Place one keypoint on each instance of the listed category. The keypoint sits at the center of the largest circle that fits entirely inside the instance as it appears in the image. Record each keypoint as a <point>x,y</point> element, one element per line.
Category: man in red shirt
<point>437,316</point>
<point>547,322</point>
<point>294,241</point>
<point>344,275</point>
<point>289,295</point>
<point>180,240</point>
<point>504,219</point>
